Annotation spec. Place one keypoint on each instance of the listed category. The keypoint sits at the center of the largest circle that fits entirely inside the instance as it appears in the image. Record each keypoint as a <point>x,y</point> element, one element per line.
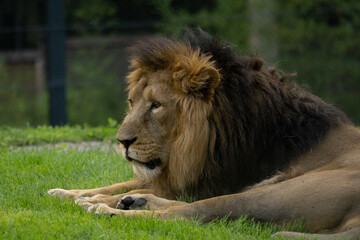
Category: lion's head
<point>206,121</point>
<point>169,104</point>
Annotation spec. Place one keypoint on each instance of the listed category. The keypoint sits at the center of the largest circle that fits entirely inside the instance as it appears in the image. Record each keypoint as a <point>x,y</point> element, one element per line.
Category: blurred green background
<point>318,39</point>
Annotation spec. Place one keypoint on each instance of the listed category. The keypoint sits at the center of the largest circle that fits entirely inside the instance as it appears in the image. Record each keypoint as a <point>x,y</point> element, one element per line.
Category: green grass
<point>46,134</point>
<point>27,212</point>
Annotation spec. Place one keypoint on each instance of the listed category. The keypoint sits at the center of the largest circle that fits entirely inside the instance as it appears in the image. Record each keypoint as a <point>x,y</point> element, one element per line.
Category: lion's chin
<point>143,172</point>
<point>152,164</point>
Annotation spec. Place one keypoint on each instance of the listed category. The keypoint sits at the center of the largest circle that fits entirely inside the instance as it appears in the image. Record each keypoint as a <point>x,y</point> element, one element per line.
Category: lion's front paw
<point>129,202</point>
<point>146,201</point>
<point>61,193</point>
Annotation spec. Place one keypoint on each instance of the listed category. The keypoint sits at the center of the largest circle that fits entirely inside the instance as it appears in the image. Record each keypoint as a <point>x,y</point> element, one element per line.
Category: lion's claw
<point>129,203</point>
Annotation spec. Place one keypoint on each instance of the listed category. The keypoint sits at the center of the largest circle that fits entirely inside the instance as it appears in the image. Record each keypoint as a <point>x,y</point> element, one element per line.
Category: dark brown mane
<point>262,123</point>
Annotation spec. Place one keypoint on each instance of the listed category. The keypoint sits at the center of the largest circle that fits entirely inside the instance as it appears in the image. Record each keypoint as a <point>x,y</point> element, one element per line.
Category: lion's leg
<point>108,190</point>
<point>322,199</point>
<point>110,200</point>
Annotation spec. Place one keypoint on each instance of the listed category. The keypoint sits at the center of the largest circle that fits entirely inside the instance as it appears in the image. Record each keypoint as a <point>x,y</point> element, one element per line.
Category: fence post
<point>55,61</point>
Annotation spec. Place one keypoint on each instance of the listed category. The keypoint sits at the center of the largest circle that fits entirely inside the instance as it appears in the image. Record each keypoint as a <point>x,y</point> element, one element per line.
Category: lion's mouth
<point>152,164</point>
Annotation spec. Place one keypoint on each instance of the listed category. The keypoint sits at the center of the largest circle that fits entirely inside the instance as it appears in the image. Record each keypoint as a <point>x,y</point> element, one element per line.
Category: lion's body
<point>206,122</point>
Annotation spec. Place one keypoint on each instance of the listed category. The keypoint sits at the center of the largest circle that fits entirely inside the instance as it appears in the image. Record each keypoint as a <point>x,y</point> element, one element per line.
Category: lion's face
<point>145,133</point>
<point>166,130</point>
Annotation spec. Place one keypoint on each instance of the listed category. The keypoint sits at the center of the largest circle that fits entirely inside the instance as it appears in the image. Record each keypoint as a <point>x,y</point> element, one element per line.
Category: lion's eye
<point>131,102</point>
<point>155,105</point>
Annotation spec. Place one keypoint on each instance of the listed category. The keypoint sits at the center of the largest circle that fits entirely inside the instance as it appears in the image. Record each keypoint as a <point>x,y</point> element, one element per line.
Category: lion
<point>237,137</point>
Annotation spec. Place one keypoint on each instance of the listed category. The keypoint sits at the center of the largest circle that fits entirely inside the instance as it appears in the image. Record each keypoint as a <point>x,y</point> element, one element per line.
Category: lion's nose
<point>127,142</point>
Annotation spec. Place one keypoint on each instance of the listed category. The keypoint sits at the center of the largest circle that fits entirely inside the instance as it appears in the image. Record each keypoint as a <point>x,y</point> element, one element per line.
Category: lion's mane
<point>242,127</point>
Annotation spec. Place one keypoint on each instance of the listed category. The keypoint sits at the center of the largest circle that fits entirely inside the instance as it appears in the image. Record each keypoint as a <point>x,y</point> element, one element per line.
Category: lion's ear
<point>200,81</point>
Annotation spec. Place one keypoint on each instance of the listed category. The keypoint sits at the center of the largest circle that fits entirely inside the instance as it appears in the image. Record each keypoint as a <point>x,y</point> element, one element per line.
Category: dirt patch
<point>76,146</point>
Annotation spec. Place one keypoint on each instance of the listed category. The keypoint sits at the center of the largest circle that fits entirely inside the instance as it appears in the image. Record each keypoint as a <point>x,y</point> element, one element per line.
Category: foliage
<point>20,14</point>
<point>94,90</point>
<point>319,40</point>
<point>20,101</point>
<point>228,19</point>
<point>95,11</point>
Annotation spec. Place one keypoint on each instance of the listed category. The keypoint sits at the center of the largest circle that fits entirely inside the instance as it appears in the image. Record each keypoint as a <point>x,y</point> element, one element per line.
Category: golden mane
<point>194,75</point>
